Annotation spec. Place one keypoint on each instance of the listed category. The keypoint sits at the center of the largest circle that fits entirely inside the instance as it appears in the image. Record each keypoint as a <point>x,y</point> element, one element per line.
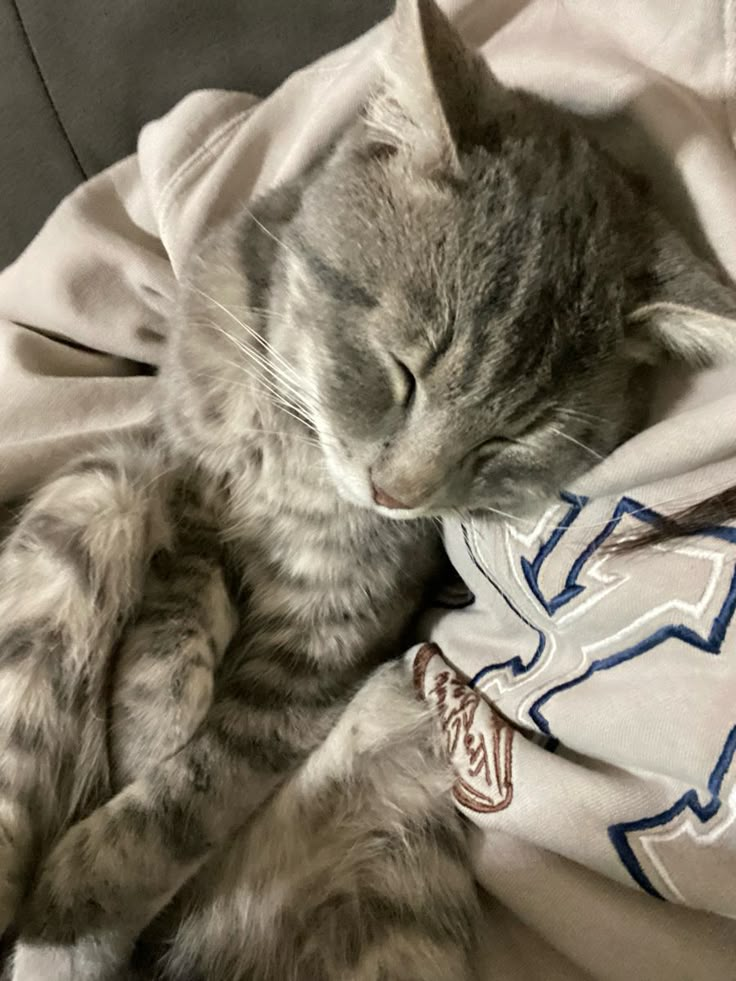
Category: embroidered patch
<point>479,741</point>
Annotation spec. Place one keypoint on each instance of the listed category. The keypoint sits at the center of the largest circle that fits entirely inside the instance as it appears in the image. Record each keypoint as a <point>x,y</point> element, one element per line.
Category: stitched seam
<point>47,90</point>
<point>206,147</point>
<point>174,186</point>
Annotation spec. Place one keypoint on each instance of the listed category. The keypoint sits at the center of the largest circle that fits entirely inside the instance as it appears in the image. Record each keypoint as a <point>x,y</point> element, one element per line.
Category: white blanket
<point>598,768</point>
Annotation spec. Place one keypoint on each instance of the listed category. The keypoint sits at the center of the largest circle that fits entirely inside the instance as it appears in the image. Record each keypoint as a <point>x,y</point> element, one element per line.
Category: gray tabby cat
<point>450,310</point>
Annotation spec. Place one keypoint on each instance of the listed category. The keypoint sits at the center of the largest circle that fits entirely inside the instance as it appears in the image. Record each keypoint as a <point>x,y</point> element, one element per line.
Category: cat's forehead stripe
<point>339,284</point>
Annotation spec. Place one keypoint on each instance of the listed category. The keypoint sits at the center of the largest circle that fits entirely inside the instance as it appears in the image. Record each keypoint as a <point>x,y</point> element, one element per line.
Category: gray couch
<point>78,78</point>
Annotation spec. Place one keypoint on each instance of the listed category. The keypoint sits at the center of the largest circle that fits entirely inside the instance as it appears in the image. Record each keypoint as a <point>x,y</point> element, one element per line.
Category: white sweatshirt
<point>595,752</point>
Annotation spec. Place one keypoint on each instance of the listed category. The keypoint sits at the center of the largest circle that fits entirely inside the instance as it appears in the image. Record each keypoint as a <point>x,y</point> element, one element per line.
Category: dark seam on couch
<point>37,66</point>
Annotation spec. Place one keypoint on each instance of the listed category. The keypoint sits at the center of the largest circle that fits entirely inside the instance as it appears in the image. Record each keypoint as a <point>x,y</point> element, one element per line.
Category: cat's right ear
<point>435,91</point>
<point>687,310</point>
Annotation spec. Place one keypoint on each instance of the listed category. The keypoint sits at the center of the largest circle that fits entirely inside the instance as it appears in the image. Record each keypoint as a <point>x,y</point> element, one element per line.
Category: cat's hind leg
<point>160,691</point>
<point>114,871</point>
<point>357,869</point>
<point>69,574</point>
<point>396,900</point>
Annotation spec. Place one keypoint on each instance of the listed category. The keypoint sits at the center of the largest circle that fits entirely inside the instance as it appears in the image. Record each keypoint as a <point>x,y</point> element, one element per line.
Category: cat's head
<point>475,285</point>
<point>472,288</point>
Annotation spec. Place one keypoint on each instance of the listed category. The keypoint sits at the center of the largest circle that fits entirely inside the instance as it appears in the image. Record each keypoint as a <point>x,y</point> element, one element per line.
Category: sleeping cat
<point>212,762</point>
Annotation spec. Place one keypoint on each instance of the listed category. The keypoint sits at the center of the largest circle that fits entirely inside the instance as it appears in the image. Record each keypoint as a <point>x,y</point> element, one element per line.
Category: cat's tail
<point>70,573</point>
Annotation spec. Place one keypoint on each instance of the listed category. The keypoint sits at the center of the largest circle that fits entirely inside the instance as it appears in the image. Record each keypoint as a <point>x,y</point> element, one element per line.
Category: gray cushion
<point>78,79</point>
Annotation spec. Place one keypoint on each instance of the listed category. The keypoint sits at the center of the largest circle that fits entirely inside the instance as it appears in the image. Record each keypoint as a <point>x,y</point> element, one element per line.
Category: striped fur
<point>211,766</point>
<point>221,758</point>
<point>70,573</point>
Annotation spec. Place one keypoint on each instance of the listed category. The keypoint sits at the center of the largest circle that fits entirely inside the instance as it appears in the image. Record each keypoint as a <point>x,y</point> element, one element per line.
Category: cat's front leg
<point>92,959</point>
<point>163,682</point>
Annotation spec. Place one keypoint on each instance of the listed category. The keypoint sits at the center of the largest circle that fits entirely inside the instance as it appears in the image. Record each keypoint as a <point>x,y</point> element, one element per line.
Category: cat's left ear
<point>435,90</point>
<point>689,311</point>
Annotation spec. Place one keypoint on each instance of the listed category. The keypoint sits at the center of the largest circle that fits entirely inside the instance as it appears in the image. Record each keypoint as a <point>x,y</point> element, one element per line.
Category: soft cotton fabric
<point>595,743</point>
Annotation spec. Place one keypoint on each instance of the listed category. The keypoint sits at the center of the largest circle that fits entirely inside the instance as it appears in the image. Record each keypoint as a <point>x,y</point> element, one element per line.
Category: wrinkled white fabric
<point>595,754</point>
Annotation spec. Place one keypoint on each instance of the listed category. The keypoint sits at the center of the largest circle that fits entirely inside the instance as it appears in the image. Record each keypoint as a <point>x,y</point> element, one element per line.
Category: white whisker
<point>506,514</point>
<point>275,398</point>
<point>267,386</point>
<point>268,231</point>
<point>571,439</point>
<point>587,417</point>
<point>254,334</point>
<point>273,371</point>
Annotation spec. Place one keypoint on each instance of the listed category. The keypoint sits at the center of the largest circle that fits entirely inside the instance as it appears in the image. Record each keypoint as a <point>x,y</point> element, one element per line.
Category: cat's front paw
<point>64,904</point>
<point>10,897</point>
<point>32,962</point>
<point>92,959</point>
<point>72,927</point>
<point>16,841</point>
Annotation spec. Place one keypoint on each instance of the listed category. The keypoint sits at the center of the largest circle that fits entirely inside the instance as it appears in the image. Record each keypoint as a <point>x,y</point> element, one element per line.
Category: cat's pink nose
<point>386,501</point>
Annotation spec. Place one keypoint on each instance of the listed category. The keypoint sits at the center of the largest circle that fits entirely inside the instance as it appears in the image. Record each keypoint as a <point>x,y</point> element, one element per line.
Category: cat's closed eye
<point>493,445</point>
<point>406,383</point>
